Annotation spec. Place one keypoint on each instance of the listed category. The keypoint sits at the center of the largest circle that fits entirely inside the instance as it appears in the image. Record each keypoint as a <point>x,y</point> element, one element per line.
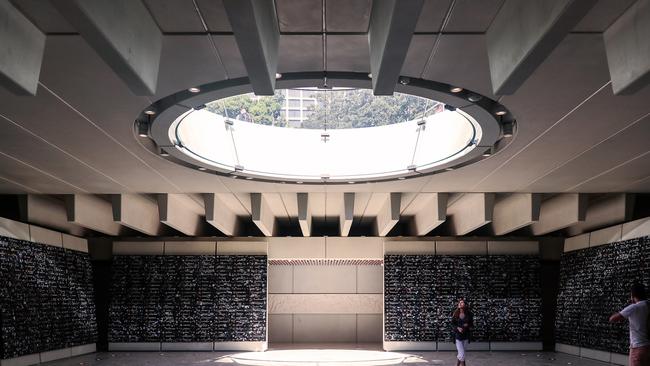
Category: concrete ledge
<point>234,247</point>
<point>339,247</point>
<point>190,247</point>
<point>241,346</point>
<point>604,236</point>
<point>138,248</point>
<point>187,346</point>
<point>595,355</point>
<point>14,229</point>
<point>636,229</point>
<point>295,248</point>
<point>620,359</point>
<point>22,360</point>
<point>45,236</point>
<point>513,248</point>
<point>461,247</point>
<point>325,303</point>
<point>516,346</point>
<point>139,346</point>
<point>576,242</point>
<point>83,349</point>
<point>55,355</point>
<point>409,247</point>
<point>75,243</point>
<point>566,348</point>
<point>409,346</point>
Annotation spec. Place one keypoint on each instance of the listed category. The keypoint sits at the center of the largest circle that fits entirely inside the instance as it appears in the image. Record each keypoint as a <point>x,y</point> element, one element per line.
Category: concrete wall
<point>22,231</point>
<point>612,234</point>
<point>326,303</point>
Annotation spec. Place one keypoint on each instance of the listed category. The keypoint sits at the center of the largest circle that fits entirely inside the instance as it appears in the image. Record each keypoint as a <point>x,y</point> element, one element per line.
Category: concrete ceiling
<point>75,136</point>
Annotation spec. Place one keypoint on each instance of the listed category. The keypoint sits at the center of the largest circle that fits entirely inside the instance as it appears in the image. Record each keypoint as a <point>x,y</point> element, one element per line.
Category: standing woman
<point>461,323</point>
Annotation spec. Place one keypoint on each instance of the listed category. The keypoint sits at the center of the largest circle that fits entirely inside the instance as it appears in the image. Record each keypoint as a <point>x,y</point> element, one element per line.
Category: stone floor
<point>330,355</point>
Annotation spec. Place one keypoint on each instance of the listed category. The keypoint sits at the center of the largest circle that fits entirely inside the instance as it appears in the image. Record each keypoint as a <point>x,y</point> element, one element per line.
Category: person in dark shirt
<point>461,325</point>
<point>244,116</point>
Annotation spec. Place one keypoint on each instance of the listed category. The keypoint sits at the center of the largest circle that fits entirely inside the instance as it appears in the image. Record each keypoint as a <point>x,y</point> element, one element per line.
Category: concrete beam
<point>262,214</point>
<point>470,212</point>
<point>389,214</point>
<point>347,214</point>
<point>608,210</point>
<point>392,24</point>
<point>138,212</point>
<point>123,33</point>
<point>178,212</point>
<point>430,211</point>
<point>219,215</point>
<point>48,212</point>
<point>524,33</point>
<point>255,25</point>
<point>628,52</point>
<point>304,214</point>
<point>514,211</point>
<point>22,51</point>
<point>560,212</point>
<point>92,212</point>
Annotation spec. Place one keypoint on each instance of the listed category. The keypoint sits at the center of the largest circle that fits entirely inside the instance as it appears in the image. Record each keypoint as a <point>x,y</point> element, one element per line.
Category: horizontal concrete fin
<point>325,304</point>
<point>138,248</point>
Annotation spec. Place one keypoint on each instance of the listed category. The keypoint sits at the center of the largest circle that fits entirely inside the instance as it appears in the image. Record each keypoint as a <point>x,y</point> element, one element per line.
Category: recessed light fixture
<point>401,178</point>
<point>193,90</point>
<point>149,112</point>
<point>404,80</point>
<point>474,98</point>
<point>508,129</point>
<point>163,153</point>
<point>278,75</point>
<point>202,169</point>
<point>249,178</point>
<point>501,113</point>
<point>456,89</point>
<point>351,182</point>
<point>488,152</point>
<point>143,129</point>
<point>299,182</point>
<point>449,169</point>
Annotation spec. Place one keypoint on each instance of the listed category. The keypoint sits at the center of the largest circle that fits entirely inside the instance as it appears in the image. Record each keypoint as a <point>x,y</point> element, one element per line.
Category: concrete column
<point>123,33</point>
<point>262,215</point>
<point>257,33</point>
<point>524,33</point>
<point>22,51</point>
<point>392,24</point>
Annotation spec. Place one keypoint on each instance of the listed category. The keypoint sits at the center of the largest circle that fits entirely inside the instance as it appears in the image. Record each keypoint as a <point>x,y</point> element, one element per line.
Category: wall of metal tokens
<point>46,298</point>
<point>188,299</point>
<point>421,292</point>
<point>594,283</point>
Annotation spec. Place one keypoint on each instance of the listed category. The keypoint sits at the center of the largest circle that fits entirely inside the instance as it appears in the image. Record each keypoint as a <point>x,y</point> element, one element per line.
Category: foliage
<point>263,110</point>
<point>335,109</point>
<point>360,108</point>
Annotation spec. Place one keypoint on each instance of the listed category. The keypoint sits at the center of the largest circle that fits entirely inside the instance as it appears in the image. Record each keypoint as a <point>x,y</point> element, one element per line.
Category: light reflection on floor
<point>317,357</point>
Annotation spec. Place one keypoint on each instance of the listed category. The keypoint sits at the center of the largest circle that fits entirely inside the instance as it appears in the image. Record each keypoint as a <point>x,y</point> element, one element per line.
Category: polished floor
<point>310,355</point>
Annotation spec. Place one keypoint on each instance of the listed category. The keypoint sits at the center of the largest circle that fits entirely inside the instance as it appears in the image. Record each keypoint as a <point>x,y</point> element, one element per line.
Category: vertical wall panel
<point>595,282</point>
<point>188,299</point>
<point>46,298</point>
<point>421,293</point>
